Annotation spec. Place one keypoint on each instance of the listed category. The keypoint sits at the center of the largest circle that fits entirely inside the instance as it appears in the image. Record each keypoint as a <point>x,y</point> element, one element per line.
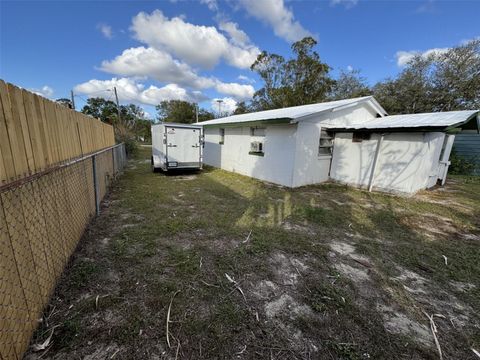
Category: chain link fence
<point>42,218</point>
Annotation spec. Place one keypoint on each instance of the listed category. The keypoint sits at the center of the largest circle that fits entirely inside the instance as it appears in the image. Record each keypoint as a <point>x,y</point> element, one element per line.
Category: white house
<point>314,143</point>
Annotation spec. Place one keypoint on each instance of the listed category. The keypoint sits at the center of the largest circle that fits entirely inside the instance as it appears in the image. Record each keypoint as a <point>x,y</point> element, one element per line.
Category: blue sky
<point>201,50</point>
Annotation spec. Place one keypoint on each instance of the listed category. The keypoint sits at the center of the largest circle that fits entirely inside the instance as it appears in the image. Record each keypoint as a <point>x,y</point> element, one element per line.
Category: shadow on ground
<point>251,270</point>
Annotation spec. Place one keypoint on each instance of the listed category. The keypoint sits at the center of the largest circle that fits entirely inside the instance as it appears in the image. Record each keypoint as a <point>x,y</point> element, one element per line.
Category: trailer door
<point>183,147</point>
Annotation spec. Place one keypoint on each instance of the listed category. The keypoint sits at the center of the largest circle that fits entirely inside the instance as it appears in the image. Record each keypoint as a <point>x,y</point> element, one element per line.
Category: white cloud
<point>212,4</point>
<point>159,65</point>
<point>246,79</point>
<point>404,57</point>
<point>155,64</point>
<point>280,18</point>
<point>45,91</point>
<point>227,105</point>
<point>349,68</point>
<point>201,45</point>
<point>131,91</point>
<point>106,30</point>
<point>238,91</point>
<point>238,36</point>
<point>347,3</point>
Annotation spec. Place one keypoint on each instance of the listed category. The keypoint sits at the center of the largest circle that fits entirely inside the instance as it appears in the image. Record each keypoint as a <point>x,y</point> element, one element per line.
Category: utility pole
<point>118,105</point>
<point>219,101</point>
<point>73,99</point>
<point>196,112</point>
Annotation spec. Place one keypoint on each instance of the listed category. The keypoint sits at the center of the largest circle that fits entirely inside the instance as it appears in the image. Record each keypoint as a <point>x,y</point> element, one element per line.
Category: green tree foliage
<point>350,84</point>
<point>242,108</point>
<point>460,165</point>
<point>298,81</point>
<point>102,109</point>
<point>180,111</point>
<point>131,126</point>
<point>440,82</point>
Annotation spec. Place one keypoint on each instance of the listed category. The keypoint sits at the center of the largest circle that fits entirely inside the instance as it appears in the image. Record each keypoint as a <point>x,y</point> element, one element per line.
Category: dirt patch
<point>398,323</point>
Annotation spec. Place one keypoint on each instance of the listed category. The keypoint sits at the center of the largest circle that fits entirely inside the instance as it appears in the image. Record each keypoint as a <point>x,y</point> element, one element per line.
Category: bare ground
<point>253,270</point>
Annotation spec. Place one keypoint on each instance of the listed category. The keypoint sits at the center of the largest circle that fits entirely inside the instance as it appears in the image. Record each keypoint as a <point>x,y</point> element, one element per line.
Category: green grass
<point>181,233</point>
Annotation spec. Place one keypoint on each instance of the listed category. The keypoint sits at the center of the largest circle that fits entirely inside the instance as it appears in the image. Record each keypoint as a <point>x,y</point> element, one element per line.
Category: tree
<point>457,78</point>
<point>102,109</point>
<point>65,102</point>
<point>298,81</point>
<point>242,108</point>
<point>439,82</point>
<point>180,111</point>
<point>350,85</point>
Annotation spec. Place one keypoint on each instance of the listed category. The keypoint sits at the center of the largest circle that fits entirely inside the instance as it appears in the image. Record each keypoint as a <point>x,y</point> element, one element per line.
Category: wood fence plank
<point>15,136</point>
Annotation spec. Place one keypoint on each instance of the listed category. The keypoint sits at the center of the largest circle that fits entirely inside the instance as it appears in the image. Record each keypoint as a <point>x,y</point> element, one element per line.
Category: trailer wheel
<point>154,169</point>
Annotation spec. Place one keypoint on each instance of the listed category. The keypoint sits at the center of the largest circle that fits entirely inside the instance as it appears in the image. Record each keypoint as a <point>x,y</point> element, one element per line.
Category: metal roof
<point>295,113</point>
<point>425,120</point>
<point>179,125</point>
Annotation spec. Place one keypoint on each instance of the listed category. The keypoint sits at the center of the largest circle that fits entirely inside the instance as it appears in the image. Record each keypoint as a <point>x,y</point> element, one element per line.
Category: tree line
<point>438,82</point>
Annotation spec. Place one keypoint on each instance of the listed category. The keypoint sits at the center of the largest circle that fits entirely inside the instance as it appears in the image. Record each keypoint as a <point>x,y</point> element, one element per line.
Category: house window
<point>222,136</point>
<point>326,143</point>
<point>360,136</point>
<point>257,131</point>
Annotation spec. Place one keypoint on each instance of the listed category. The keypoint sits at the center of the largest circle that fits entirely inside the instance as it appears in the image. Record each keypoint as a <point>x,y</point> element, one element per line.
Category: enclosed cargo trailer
<point>176,146</point>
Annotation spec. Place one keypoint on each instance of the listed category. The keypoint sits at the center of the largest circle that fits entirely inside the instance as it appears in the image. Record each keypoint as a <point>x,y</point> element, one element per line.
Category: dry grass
<point>328,272</point>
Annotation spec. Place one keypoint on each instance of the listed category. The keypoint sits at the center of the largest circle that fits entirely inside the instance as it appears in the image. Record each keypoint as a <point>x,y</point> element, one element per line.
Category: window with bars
<point>326,143</point>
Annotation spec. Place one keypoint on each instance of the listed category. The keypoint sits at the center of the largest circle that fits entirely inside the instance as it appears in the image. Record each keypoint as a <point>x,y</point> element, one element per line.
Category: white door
<point>183,146</point>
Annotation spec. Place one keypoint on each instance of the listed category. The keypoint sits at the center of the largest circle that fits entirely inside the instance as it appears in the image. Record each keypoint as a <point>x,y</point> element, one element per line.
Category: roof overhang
<point>472,122</point>
<point>279,121</point>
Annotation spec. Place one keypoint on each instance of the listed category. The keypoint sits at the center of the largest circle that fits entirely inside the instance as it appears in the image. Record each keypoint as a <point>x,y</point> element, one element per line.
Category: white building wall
<point>275,166</point>
<point>310,167</point>
<point>406,162</point>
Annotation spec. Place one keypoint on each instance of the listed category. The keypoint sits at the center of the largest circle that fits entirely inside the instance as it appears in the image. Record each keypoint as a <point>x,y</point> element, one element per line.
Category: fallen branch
<point>168,317</point>
<point>236,286</point>
<point>475,352</point>
<point>248,237</point>
<point>46,343</point>
<point>434,330</point>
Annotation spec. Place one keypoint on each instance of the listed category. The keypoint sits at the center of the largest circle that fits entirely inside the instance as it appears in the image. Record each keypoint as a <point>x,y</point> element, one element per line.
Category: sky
<point>201,51</point>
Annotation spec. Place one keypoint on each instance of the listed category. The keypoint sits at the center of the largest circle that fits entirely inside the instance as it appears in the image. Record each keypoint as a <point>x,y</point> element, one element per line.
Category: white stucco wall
<point>275,166</point>
<point>310,167</point>
<point>406,161</point>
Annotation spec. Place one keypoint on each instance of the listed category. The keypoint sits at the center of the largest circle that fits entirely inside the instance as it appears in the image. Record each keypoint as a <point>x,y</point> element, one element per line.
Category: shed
<point>399,153</point>
<point>284,146</point>
<point>351,141</point>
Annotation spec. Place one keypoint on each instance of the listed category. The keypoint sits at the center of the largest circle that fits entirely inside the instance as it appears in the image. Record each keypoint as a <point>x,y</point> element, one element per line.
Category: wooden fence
<point>36,133</point>
<point>44,215</point>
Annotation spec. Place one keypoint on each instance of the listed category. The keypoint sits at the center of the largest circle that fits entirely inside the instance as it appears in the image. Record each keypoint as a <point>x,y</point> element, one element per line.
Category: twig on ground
<point>434,330</point>
<point>248,237</point>
<point>446,260</point>
<point>242,351</point>
<point>213,285</point>
<point>115,353</point>
<point>236,286</point>
<point>475,352</point>
<point>201,258</point>
<point>168,317</point>
<point>44,345</point>
<point>178,348</point>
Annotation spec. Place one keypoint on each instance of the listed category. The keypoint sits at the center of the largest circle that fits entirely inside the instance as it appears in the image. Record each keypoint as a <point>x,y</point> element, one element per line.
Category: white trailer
<point>176,146</point>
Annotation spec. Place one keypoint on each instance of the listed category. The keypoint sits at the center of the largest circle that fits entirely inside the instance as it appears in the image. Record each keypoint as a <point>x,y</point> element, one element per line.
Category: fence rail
<point>36,133</point>
<point>55,168</point>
